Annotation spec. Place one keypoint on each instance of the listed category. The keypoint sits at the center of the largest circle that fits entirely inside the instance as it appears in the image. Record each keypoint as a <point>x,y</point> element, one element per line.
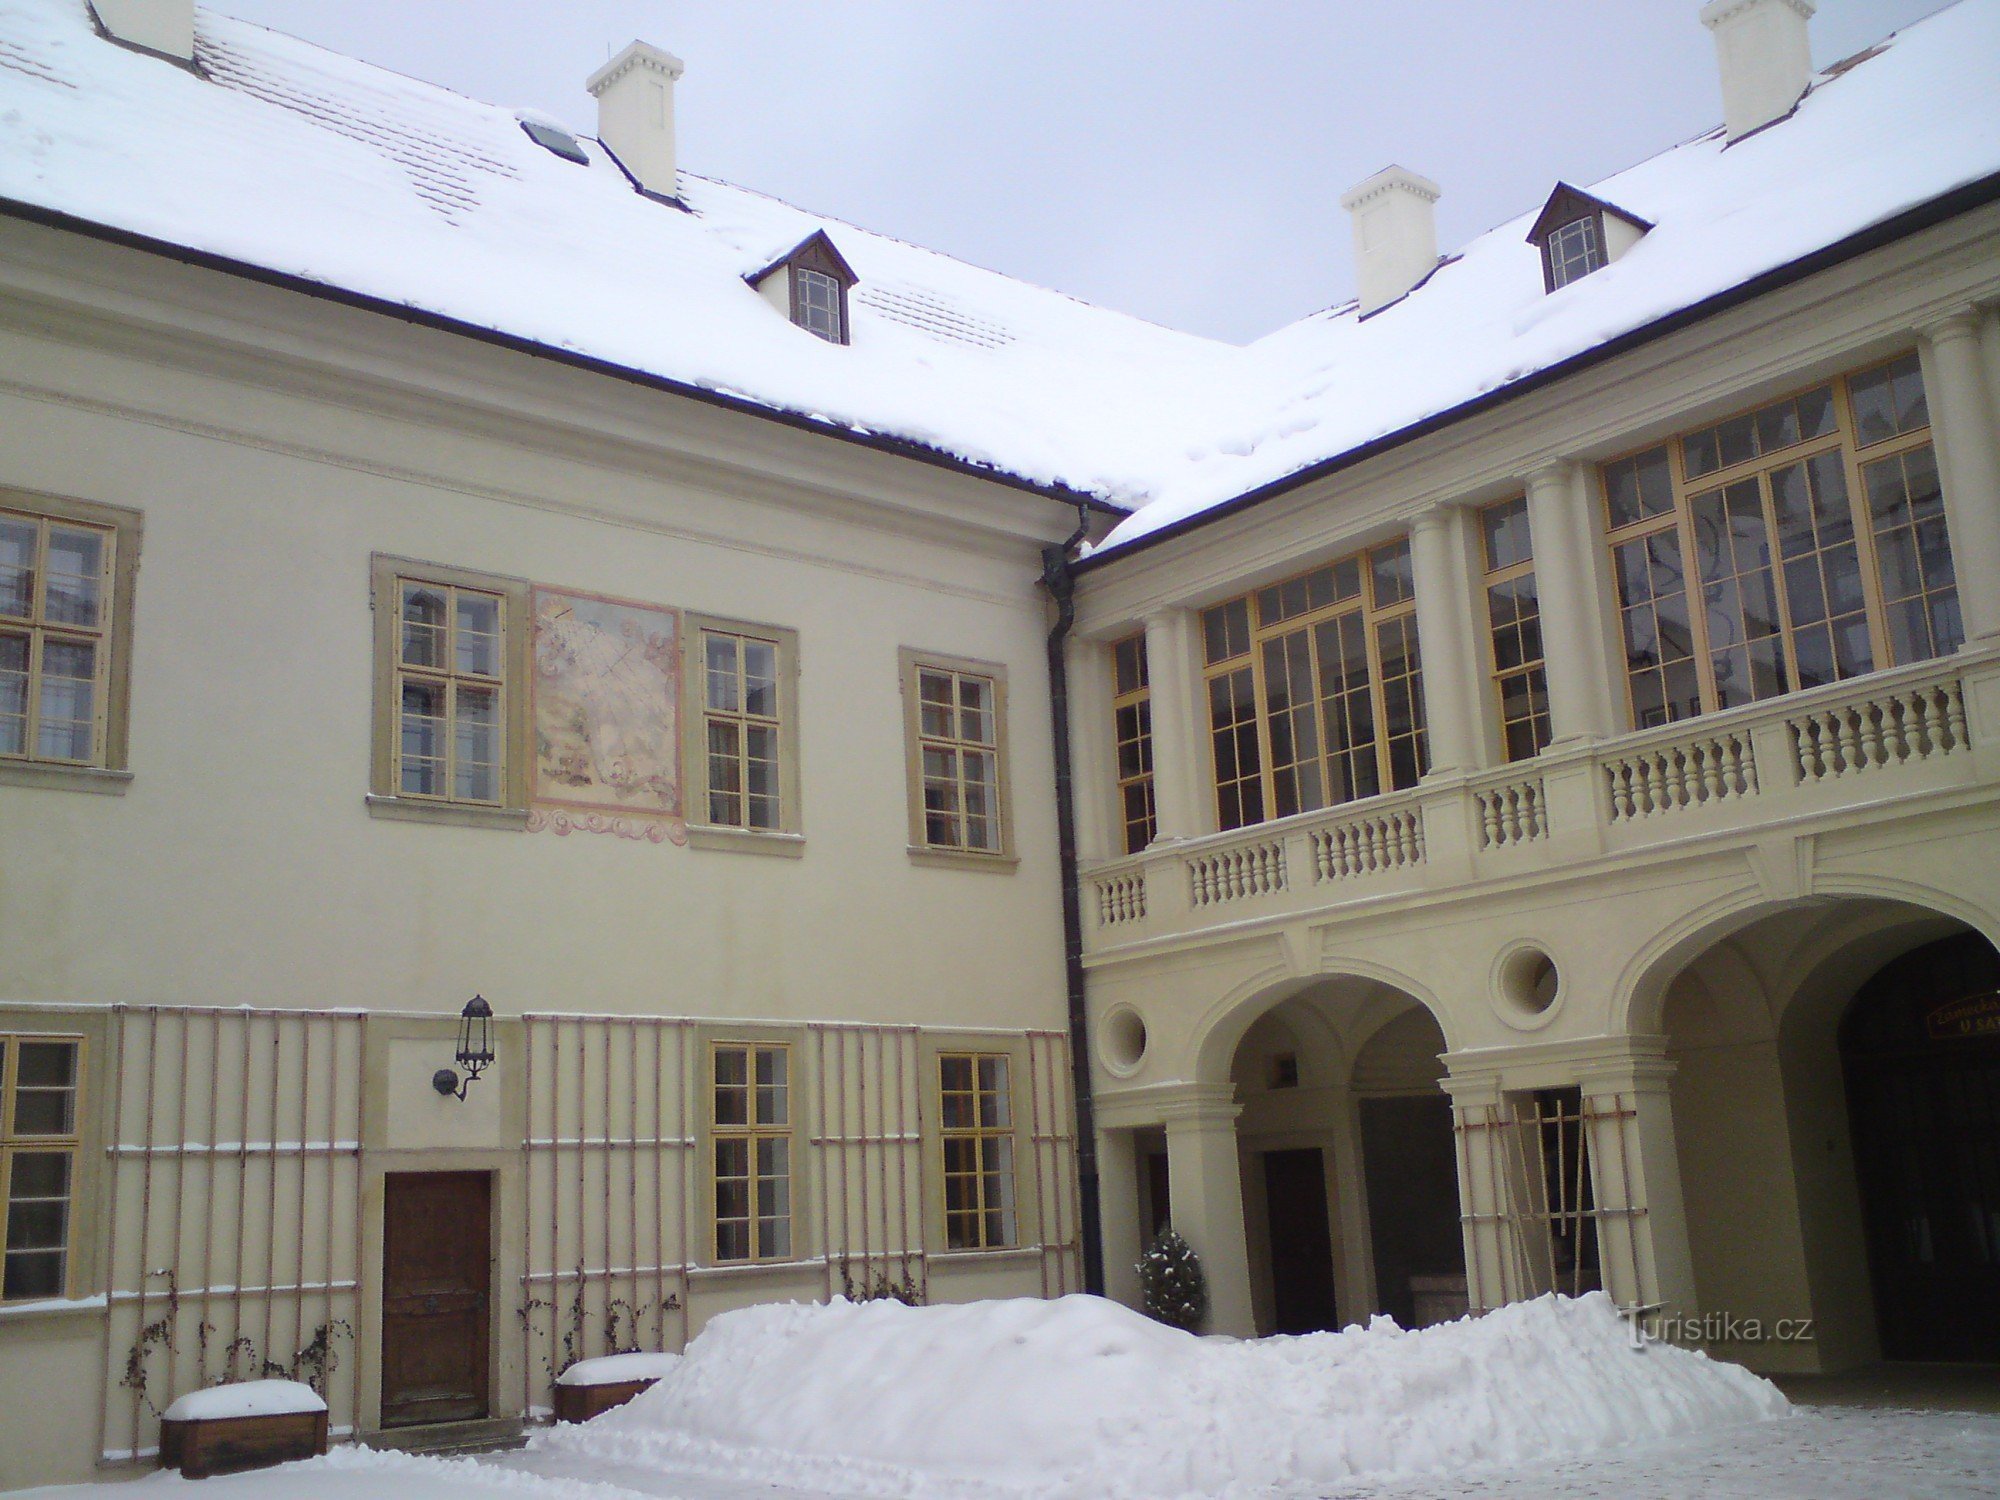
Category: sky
<point>1182,160</point>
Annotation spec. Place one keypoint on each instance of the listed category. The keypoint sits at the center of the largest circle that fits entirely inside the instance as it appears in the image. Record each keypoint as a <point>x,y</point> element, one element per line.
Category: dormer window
<point>817,299</point>
<point>809,285</point>
<point>1578,233</point>
<point>1575,250</point>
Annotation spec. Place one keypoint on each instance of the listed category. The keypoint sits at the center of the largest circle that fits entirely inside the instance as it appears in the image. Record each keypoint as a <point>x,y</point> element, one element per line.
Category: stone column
<point>1969,458</point>
<point>1177,710</point>
<point>1636,1177</point>
<point>1572,581</point>
<point>1495,1260</point>
<point>1205,1182</point>
<point>1447,635</point>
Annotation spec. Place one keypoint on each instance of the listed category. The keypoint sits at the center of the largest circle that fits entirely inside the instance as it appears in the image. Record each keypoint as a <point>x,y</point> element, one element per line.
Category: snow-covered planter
<point>591,1387</point>
<point>249,1425</point>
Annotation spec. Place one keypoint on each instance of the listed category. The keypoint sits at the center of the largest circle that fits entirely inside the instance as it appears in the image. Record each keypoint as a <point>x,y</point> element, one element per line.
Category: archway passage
<point>1920,1050</point>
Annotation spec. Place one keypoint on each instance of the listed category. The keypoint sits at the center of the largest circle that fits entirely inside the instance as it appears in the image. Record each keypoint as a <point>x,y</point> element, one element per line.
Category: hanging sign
<point>1972,1016</point>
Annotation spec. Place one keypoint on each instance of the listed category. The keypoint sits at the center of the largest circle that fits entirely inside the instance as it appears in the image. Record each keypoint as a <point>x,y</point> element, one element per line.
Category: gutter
<point>1058,579</point>
<point>881,442</point>
<point>1960,200</point>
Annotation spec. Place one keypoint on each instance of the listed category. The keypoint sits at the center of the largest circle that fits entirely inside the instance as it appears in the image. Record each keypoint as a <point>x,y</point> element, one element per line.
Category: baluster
<point>1875,726</point>
<point>1489,821</point>
<point>1954,716</point>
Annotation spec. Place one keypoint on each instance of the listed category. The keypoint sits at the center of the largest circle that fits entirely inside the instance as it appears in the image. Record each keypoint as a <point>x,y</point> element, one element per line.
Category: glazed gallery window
<point>746,758</point>
<point>1514,620</point>
<point>751,1138</point>
<point>65,579</point>
<point>1132,722</point>
<point>976,1108</point>
<point>955,715</point>
<point>40,1080</point>
<point>1796,545</point>
<point>1574,250</point>
<point>1315,689</point>
<point>451,699</point>
<point>819,304</point>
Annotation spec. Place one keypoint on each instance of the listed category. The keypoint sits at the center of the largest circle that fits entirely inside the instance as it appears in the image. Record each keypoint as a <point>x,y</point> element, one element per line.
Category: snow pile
<point>616,1369</point>
<point>246,1398</point>
<point>1082,1397</point>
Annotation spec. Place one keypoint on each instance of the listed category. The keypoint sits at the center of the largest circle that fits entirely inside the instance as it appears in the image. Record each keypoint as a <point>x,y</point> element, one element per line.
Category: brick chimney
<point>1765,58</point>
<point>1395,235</point>
<point>165,27</point>
<point>635,114</point>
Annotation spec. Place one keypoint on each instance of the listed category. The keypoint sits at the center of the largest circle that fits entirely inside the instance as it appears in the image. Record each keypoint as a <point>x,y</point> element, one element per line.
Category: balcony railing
<point>1904,732</point>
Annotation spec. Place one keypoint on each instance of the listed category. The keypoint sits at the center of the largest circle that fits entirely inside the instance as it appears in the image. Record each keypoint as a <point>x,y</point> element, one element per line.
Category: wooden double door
<point>437,1275</point>
<point>1921,1051</point>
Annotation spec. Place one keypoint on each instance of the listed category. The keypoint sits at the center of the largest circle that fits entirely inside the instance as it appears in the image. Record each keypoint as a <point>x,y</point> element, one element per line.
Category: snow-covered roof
<point>297,161</point>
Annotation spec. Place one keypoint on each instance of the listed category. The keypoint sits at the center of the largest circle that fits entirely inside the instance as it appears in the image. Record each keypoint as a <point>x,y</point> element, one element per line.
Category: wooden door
<point>1301,1242</point>
<point>436,1296</point>
<point>1921,1050</point>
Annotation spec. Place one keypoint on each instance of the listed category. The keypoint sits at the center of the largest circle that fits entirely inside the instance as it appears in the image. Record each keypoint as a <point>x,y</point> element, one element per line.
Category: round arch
<point>1213,1039</point>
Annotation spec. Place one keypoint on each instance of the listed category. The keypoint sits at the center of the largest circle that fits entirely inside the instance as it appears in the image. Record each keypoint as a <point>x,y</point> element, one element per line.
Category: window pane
<point>75,576</point>
<point>1505,528</point>
<point>13,694</point>
<point>67,730</point>
<point>479,635</point>
<point>1226,630</point>
<point>935,703</point>
<point>732,1065</point>
<point>17,567</point>
<point>1389,571</point>
<point>423,738</point>
<point>975,697</point>
<point>760,679</point>
<point>423,626</point>
<point>1638,488</point>
<point>719,654</point>
<point>477,750</point>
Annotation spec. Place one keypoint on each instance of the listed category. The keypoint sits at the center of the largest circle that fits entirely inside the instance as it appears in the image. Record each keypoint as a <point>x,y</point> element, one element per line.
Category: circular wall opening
<point>1529,981</point>
<point>1124,1044</point>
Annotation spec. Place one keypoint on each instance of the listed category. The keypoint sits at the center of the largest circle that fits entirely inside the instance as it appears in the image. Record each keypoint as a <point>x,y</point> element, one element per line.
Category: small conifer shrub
<point>1172,1283</point>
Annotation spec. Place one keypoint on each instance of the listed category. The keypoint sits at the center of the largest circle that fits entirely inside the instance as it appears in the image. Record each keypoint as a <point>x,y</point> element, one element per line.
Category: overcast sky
<point>1178,159</point>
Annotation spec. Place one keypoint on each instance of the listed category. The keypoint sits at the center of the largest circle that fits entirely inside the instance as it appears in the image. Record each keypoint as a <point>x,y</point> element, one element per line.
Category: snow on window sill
<point>50,1307</point>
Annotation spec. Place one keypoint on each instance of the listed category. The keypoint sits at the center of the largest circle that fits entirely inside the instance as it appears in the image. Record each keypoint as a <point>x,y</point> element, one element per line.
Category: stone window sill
<point>458,814</point>
<point>746,840</point>
<point>962,859</point>
<point>64,778</point>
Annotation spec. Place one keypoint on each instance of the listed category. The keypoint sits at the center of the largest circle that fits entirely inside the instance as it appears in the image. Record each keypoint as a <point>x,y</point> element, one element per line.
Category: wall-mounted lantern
<point>475,1049</point>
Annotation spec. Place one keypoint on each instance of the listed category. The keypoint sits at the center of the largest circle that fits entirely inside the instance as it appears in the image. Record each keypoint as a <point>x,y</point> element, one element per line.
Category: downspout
<point>1061,584</point>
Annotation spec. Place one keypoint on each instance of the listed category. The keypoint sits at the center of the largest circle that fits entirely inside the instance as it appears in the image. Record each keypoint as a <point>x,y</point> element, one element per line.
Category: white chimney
<point>162,26</point>
<point>1765,58</point>
<point>635,114</point>
<point>1395,235</point>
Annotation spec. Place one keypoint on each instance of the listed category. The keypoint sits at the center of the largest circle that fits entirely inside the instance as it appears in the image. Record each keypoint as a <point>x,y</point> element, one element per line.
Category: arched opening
<point>1920,1049</point>
<point>1349,1180</point>
<point>1787,1094</point>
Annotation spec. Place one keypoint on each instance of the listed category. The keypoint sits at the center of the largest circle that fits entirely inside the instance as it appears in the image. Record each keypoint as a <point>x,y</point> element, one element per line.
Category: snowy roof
<point>300,162</point>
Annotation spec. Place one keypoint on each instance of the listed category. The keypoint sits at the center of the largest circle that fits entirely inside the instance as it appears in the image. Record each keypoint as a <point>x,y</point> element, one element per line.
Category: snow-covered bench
<point>593,1386</point>
<point>248,1425</point>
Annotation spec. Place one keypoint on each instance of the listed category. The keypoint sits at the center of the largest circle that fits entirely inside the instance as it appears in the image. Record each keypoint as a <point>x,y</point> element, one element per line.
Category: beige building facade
<point>508,851</point>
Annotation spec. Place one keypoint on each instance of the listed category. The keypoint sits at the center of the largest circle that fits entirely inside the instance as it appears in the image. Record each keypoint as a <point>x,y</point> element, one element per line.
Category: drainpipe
<point>1061,584</point>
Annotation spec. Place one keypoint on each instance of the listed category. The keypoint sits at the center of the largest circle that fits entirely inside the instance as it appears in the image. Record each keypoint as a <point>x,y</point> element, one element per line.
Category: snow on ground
<point>1080,1397</point>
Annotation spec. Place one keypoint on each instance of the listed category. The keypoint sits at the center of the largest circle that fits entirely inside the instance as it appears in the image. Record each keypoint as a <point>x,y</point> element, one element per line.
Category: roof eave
<point>402,312</point>
<point>1978,193</point>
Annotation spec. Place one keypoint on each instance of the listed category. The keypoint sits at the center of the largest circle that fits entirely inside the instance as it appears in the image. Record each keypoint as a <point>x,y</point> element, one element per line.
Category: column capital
<point>1954,323</point>
<point>1549,472</point>
<point>1196,1105</point>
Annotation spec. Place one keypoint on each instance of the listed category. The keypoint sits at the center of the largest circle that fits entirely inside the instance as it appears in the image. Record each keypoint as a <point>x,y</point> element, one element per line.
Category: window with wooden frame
<point>66,574</point>
<point>1514,619</point>
<point>750,1140</point>
<point>451,726</point>
<point>1575,250</point>
<point>41,1085</point>
<point>742,747</point>
<point>810,283</point>
<point>1315,689</point>
<point>976,1111</point>
<point>955,715</point>
<point>1132,722</point>
<point>1798,544</point>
